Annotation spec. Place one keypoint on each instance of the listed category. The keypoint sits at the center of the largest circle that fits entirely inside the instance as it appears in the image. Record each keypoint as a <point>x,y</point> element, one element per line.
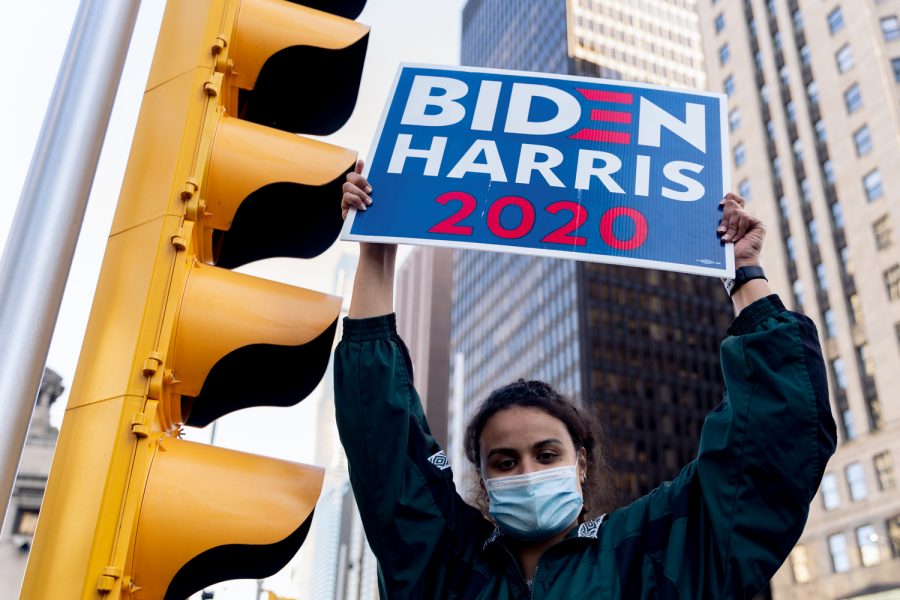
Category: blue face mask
<point>537,505</point>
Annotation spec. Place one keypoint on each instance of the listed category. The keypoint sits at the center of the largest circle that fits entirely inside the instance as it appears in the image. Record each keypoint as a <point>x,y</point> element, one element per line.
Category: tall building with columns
<point>813,94</point>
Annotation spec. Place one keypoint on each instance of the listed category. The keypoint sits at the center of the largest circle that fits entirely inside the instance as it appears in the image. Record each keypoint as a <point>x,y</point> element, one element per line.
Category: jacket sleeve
<point>727,522</point>
<point>420,530</point>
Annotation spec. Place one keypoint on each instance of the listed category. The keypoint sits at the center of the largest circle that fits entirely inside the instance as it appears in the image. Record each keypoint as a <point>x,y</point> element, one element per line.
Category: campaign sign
<point>550,165</point>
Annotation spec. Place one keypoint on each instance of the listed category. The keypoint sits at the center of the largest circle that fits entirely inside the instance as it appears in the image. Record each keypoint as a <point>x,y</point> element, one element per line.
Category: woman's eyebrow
<point>494,451</point>
<point>547,442</point>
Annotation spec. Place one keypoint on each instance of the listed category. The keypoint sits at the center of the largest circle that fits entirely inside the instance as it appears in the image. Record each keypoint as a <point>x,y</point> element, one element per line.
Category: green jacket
<point>719,530</point>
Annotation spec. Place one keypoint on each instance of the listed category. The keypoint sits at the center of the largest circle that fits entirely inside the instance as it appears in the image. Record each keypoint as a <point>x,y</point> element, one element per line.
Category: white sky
<point>33,37</point>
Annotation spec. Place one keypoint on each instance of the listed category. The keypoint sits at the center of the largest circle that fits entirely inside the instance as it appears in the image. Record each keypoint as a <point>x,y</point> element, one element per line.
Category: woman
<point>719,530</point>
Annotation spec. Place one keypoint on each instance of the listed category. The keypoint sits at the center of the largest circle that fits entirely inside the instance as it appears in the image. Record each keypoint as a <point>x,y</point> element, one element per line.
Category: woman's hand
<point>356,191</point>
<point>743,229</point>
<point>747,233</point>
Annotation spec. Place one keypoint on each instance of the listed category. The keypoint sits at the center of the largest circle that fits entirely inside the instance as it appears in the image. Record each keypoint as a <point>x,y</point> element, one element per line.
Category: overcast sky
<point>33,37</point>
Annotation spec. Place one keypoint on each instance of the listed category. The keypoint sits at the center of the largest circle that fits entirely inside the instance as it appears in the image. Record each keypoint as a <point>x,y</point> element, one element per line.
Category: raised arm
<point>373,288</point>
<point>727,522</point>
<point>422,533</point>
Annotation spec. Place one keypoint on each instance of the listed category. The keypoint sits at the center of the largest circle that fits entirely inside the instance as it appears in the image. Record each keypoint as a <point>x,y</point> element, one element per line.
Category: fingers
<point>356,191</point>
<point>735,220</point>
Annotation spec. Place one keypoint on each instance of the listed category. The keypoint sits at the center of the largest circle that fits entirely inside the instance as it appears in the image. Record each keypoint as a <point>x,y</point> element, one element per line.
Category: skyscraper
<point>423,321</point>
<point>813,95</point>
<point>638,346</point>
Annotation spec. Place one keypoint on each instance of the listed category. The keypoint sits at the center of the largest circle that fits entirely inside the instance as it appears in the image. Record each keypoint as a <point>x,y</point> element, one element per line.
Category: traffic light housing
<point>217,178</point>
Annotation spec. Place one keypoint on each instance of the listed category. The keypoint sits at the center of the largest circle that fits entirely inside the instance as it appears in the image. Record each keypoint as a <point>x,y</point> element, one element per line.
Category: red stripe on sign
<point>599,135</point>
<point>600,96</point>
<point>611,116</point>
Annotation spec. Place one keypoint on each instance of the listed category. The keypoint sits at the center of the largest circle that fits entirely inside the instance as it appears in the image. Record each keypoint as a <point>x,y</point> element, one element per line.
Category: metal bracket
<point>108,579</point>
<point>178,239</point>
<point>139,425</point>
<point>151,365</point>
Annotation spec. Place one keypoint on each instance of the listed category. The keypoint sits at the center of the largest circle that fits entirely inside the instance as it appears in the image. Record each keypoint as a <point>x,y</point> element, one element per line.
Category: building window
<point>837,213</point>
<point>812,90</point>
<point>830,497</point>
<point>840,559</point>
<point>868,545</point>
<point>846,263</point>
<point>890,27</point>
<point>849,427</point>
<point>791,111</point>
<point>893,529</point>
<point>776,166</point>
<point>813,228</point>
<point>728,85</point>
<point>740,156</point>
<point>734,119</point>
<point>797,148</point>
<point>26,521</point>
<point>830,324</point>
<point>792,252</point>
<point>840,373</point>
<point>856,481</point>
<point>892,282</point>
<point>724,53</point>
<point>744,189</point>
<point>798,294</point>
<point>828,171</point>
<point>863,140</point>
<point>884,233</point>
<point>835,20</point>
<point>884,470</point>
<point>784,208</point>
<point>800,564</point>
<point>805,55</point>
<point>820,276</point>
<point>865,359</point>
<point>895,64</point>
<point>872,183</point>
<point>720,22</point>
<point>820,131</point>
<point>853,98</point>
<point>855,308</point>
<point>844,58</point>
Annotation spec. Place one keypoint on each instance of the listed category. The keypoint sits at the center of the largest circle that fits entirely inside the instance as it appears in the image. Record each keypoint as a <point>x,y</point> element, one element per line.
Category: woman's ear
<point>582,465</point>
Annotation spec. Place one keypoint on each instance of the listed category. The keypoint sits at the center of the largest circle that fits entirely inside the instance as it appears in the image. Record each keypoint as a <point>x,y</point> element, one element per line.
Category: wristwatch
<point>742,276</point>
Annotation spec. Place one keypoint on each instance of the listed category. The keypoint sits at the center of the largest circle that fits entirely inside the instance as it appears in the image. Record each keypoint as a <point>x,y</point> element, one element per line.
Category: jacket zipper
<point>537,567</point>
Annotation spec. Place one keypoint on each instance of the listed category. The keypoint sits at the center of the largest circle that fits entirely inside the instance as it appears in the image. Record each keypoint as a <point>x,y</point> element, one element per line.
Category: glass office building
<point>639,347</point>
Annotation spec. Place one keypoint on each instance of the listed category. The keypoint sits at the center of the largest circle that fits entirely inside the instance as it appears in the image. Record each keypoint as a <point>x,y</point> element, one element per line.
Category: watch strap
<point>742,276</point>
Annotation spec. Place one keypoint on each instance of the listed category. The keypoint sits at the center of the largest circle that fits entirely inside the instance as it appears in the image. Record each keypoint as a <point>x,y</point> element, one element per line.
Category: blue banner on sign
<point>550,165</point>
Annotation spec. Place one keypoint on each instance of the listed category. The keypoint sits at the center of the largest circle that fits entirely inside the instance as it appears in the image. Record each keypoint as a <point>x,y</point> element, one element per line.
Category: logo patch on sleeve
<point>440,460</point>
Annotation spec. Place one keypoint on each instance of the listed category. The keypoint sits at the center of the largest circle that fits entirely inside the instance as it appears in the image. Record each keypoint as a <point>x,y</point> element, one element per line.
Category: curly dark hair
<point>585,429</point>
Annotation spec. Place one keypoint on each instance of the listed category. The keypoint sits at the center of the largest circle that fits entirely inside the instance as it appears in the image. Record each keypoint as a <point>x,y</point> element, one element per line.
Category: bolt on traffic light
<point>217,178</point>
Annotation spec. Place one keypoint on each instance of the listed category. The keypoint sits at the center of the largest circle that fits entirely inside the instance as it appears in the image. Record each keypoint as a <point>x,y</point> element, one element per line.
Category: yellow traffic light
<point>216,178</point>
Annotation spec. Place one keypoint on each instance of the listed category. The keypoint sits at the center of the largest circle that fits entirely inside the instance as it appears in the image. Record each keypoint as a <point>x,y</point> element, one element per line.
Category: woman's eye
<point>546,456</point>
<point>506,465</point>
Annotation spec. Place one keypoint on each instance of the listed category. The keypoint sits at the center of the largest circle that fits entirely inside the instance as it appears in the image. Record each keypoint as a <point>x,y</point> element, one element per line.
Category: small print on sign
<point>550,165</point>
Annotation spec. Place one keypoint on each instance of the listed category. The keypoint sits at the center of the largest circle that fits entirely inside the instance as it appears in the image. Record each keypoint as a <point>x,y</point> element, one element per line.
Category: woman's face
<point>522,439</point>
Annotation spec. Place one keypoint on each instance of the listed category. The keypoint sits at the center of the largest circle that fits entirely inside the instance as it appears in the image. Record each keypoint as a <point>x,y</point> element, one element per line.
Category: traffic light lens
<point>284,97</point>
<point>281,219</point>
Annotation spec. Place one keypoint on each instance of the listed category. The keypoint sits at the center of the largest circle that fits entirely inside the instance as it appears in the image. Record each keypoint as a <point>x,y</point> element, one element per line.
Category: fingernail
<point>368,200</point>
<point>726,237</point>
<point>368,189</point>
